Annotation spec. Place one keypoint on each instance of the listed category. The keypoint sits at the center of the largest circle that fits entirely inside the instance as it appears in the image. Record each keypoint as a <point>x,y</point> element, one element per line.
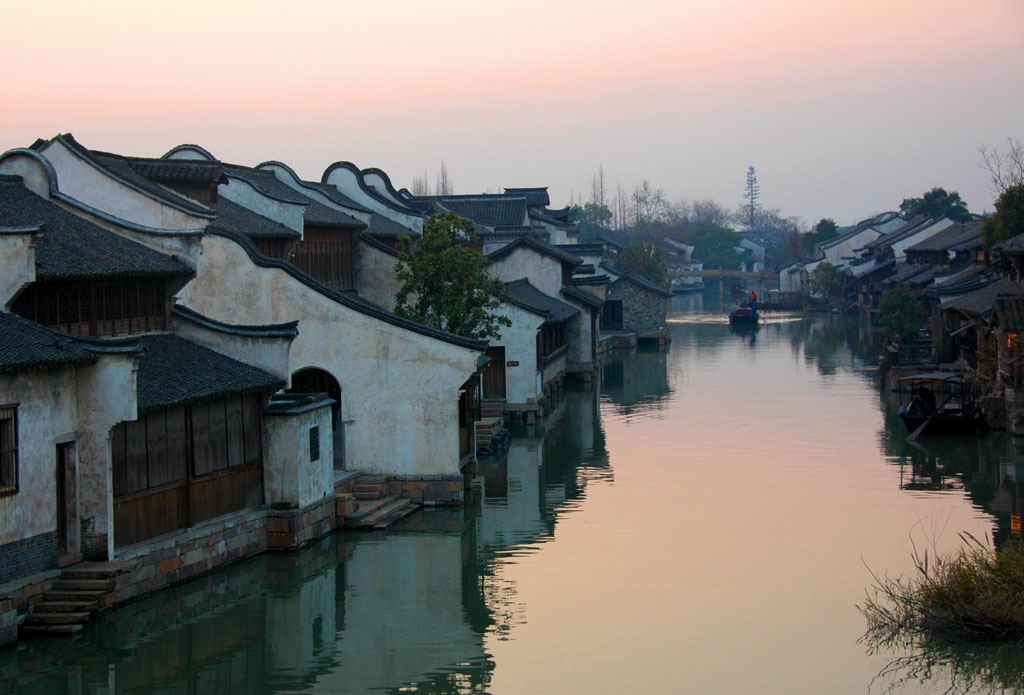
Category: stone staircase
<point>368,506</point>
<point>81,591</point>
<point>490,428</point>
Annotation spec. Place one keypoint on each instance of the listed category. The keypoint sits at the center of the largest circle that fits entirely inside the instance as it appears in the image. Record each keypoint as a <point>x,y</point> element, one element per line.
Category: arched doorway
<point>314,380</point>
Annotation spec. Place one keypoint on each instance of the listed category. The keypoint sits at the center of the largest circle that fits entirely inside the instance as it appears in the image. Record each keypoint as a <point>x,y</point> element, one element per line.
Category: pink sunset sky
<point>844,109</point>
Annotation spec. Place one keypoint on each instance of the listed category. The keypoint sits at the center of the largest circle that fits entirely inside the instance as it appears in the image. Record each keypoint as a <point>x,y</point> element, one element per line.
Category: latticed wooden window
<point>8,449</point>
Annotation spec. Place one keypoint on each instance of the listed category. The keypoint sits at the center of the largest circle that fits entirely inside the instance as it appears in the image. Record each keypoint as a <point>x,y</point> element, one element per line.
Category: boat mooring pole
<point>721,288</point>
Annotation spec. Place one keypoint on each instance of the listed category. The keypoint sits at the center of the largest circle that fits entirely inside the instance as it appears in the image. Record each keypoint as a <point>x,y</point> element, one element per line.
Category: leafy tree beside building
<point>444,281</point>
<point>826,279</point>
<point>646,259</point>
<point>902,316</point>
<point>937,202</point>
<point>1008,220</point>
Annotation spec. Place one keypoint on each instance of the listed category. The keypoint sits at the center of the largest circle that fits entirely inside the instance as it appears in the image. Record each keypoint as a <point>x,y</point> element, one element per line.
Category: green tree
<point>714,245</point>
<point>1008,220</point>
<point>937,202</point>
<point>646,259</point>
<point>901,315</point>
<point>826,279</point>
<point>444,281</point>
<point>592,219</point>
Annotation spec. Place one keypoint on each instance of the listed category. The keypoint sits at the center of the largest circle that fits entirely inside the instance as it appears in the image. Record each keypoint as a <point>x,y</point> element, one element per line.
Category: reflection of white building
<point>515,518</point>
<point>390,638</point>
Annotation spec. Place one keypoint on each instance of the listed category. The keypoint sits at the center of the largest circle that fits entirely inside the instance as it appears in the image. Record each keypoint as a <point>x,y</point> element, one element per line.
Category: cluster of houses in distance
<point>199,361</point>
<point>973,297</point>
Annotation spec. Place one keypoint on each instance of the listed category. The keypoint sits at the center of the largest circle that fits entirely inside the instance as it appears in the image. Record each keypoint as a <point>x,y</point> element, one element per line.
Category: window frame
<point>9,413</point>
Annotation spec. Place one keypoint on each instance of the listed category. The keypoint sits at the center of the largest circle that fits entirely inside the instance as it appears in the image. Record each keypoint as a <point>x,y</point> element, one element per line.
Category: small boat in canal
<point>923,412</point>
<point>743,317</point>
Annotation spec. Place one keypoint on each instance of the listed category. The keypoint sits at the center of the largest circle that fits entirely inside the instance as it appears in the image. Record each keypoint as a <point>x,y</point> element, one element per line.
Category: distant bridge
<point>723,273</point>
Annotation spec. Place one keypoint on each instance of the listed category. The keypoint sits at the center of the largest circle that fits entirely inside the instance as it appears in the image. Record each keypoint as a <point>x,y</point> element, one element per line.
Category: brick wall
<point>28,556</point>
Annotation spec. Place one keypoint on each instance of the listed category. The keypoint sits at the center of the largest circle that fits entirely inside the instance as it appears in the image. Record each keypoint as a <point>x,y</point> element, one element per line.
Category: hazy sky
<point>843,108</point>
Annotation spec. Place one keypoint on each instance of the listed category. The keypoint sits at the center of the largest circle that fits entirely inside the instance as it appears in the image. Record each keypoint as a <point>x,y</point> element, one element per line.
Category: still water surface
<point>703,522</point>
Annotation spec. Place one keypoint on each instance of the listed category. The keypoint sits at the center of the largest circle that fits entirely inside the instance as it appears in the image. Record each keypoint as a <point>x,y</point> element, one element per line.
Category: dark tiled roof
<point>71,247</point>
<point>492,210</point>
<point>27,346</point>
<point>1013,245</point>
<point>905,271</point>
<point>953,235</point>
<point>522,293</point>
<point>1010,309</point>
<point>981,301</point>
<point>537,245</point>
<point>317,213</point>
<point>337,196</point>
<point>386,227</point>
<point>174,371</point>
<point>581,296</point>
<point>581,249</point>
<point>183,170</point>
<point>590,280</point>
<point>236,218</point>
<point>565,214</point>
<point>270,330</point>
<point>912,227</point>
<point>642,282</point>
<point>120,167</point>
<point>368,238</point>
<point>535,197</point>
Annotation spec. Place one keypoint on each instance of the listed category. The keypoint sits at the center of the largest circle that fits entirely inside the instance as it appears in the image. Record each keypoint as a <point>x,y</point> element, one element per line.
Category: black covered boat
<point>938,403</point>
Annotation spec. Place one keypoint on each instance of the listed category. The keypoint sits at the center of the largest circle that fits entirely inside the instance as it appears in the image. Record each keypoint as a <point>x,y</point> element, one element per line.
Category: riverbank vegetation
<point>971,596</point>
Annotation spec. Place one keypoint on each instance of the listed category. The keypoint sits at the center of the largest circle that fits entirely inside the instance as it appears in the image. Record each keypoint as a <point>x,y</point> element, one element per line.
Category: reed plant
<point>974,595</point>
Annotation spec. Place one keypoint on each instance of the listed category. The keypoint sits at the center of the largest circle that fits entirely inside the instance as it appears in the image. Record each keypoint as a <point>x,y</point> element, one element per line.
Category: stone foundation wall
<point>156,565</point>
<point>290,529</point>
<point>430,489</point>
<point>28,556</point>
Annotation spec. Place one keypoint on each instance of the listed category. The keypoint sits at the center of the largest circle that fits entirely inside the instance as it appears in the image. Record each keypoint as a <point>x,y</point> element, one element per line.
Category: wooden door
<point>67,499</point>
<point>494,374</point>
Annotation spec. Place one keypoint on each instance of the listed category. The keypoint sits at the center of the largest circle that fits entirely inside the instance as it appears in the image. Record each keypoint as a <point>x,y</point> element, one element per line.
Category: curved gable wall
<point>400,389</point>
<point>347,181</point>
<point>79,179</point>
<point>287,177</point>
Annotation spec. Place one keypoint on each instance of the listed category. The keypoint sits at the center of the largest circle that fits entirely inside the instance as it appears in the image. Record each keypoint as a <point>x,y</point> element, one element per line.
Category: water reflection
<point>404,611</point>
<point>987,467</point>
<point>636,381</point>
<point>751,486</point>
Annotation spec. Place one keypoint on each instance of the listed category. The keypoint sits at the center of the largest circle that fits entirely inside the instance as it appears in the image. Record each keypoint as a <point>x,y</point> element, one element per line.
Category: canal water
<point>705,521</point>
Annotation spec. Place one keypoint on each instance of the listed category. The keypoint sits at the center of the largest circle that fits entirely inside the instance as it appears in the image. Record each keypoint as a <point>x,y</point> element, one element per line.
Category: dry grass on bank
<point>975,595</point>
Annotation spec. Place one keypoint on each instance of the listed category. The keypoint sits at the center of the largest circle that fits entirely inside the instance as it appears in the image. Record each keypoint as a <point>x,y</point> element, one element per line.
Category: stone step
<point>383,513</point>
<point>398,514</point>
<point>368,492</point>
<point>50,606</point>
<point>50,630</point>
<point>367,507</point>
<point>370,480</point>
<point>101,585</point>
<point>72,595</point>
<point>56,618</point>
<point>93,570</point>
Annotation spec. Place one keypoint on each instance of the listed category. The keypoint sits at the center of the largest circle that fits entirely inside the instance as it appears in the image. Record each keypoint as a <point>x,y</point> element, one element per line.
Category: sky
<point>844,109</point>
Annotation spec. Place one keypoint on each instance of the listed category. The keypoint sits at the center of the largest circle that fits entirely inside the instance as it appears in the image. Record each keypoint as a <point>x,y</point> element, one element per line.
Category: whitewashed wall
<point>347,181</point>
<point>400,388</point>
<point>80,180</point>
<point>543,271</point>
<point>290,474</point>
<point>522,383</point>
<point>375,279</point>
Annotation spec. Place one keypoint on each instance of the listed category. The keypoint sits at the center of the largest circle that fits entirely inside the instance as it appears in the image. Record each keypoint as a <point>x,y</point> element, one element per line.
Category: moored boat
<point>923,412</point>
